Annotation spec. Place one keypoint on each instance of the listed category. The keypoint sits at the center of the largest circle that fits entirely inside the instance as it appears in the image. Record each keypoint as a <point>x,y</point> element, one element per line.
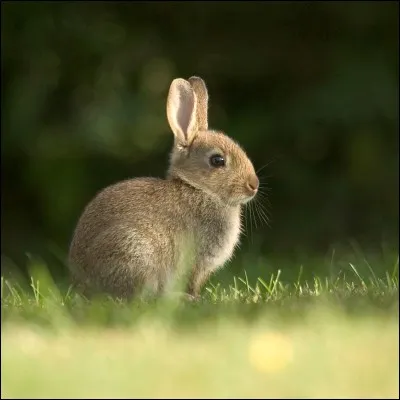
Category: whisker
<point>251,221</point>
<point>265,209</point>
<point>261,192</point>
<point>250,218</point>
<point>263,177</point>
<point>260,200</point>
<point>245,217</point>
<point>264,215</point>
<point>275,158</point>
<point>265,200</point>
<point>254,213</point>
<point>257,212</point>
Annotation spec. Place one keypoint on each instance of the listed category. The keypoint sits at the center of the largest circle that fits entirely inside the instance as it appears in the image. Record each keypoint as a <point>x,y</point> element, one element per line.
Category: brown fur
<point>133,234</point>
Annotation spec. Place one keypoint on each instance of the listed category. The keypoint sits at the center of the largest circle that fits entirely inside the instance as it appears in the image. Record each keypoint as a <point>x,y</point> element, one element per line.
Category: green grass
<point>334,336</point>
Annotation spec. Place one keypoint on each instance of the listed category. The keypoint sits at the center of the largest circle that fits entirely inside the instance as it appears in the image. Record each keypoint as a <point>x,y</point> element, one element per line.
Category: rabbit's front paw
<point>191,297</point>
<point>183,296</point>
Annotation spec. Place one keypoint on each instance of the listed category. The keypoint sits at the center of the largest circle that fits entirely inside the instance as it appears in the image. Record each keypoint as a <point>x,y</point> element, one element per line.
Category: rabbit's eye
<point>217,160</point>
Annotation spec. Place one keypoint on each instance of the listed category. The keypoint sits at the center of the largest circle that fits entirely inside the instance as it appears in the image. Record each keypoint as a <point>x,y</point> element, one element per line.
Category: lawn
<point>268,338</point>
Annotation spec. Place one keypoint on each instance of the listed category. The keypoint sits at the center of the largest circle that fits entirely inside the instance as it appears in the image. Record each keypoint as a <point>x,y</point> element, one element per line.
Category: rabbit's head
<point>206,159</point>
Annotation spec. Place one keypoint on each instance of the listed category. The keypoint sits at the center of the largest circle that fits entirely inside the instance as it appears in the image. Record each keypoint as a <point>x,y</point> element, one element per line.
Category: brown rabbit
<point>133,234</point>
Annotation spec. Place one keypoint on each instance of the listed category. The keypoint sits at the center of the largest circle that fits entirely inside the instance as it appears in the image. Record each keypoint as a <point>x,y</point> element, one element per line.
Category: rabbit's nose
<point>253,184</point>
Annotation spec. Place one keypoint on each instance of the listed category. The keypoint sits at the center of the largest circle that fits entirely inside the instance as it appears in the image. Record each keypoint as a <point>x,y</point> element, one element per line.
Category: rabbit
<point>133,234</point>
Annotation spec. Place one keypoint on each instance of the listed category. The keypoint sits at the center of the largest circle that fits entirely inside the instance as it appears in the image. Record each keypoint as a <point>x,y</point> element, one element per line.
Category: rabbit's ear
<point>181,111</point>
<point>200,90</point>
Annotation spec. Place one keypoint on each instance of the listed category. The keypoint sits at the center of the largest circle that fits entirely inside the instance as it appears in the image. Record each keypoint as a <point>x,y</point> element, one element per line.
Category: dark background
<point>311,86</point>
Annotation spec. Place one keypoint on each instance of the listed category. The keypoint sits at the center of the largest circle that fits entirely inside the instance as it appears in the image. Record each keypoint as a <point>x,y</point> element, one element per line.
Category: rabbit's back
<point>117,231</point>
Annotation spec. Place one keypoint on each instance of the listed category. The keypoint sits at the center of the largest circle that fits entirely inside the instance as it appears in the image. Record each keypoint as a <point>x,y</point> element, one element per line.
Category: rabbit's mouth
<point>242,200</point>
<point>246,199</point>
<point>250,193</point>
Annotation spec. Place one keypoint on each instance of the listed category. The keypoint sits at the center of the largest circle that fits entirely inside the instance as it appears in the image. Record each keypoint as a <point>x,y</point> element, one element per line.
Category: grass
<point>333,336</point>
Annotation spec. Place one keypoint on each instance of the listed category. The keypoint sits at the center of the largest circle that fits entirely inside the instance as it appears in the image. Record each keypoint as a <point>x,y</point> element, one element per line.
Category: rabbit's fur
<point>133,234</point>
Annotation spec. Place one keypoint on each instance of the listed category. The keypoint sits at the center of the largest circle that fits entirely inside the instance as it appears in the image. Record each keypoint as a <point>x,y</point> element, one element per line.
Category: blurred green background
<point>311,86</point>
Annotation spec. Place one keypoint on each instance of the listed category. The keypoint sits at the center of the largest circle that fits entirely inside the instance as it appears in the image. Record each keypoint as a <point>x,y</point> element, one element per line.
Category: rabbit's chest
<point>219,245</point>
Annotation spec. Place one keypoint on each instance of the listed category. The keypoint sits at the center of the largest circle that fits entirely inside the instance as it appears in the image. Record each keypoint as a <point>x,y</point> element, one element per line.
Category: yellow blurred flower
<point>270,352</point>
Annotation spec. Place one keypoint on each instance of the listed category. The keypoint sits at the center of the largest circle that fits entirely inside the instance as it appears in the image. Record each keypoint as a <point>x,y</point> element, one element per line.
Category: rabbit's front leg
<point>196,282</point>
